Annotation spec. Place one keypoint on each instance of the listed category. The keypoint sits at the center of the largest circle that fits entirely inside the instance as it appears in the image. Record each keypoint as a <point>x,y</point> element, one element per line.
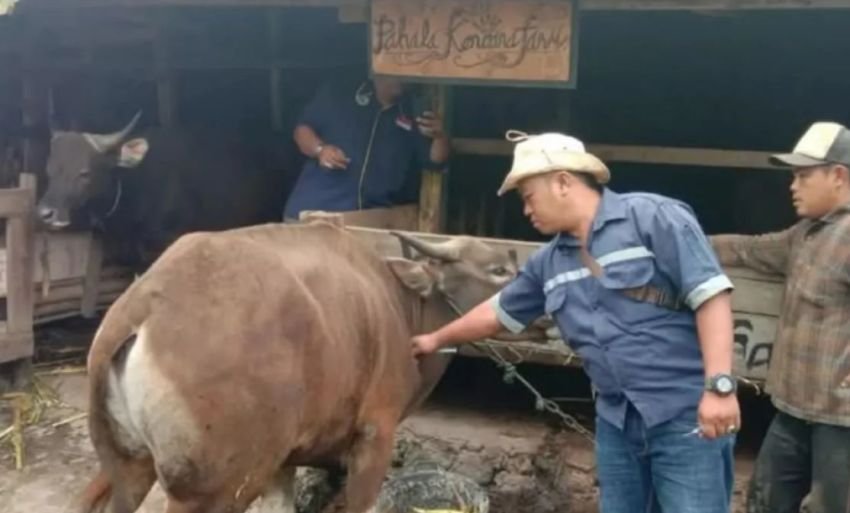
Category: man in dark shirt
<point>366,148</point>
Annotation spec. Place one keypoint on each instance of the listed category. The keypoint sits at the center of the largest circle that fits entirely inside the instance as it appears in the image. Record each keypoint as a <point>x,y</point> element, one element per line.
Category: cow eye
<point>500,271</point>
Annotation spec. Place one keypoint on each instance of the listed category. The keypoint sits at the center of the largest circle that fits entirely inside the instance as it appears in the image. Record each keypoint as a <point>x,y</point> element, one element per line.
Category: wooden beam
<point>15,203</point>
<point>353,13</point>
<point>165,89</point>
<point>709,5</point>
<point>636,154</point>
<point>19,267</point>
<point>431,191</point>
<point>14,345</point>
<point>586,5</point>
<point>150,71</point>
<point>275,71</point>
<point>402,217</point>
<point>91,281</point>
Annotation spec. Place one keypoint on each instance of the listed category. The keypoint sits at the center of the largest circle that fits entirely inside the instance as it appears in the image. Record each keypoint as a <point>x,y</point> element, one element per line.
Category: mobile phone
<point>421,104</point>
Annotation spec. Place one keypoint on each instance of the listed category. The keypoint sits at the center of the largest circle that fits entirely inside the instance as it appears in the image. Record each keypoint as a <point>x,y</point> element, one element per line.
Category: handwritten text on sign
<point>507,40</point>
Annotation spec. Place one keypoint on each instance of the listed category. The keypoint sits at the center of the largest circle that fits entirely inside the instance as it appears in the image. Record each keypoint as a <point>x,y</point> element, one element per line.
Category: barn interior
<point>683,101</point>
<point>655,88</point>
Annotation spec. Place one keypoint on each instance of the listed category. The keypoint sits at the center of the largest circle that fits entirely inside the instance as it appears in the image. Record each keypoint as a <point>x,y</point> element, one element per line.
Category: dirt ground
<point>520,461</point>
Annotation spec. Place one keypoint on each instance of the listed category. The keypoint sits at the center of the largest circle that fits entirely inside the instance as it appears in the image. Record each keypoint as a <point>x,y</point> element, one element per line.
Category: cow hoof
<point>427,487</point>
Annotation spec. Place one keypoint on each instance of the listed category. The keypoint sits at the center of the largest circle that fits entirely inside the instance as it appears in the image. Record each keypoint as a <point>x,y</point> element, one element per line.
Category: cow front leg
<point>367,467</point>
<point>279,496</point>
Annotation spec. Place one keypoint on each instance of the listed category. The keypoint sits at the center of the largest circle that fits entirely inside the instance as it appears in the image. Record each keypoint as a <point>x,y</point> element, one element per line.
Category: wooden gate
<point>16,209</point>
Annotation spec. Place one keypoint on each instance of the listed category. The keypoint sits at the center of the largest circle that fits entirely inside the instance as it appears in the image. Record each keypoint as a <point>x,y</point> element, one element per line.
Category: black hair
<point>588,180</point>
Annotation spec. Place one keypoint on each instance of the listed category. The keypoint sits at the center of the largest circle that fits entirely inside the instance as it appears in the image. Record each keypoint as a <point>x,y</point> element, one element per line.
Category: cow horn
<point>442,251</point>
<point>105,142</point>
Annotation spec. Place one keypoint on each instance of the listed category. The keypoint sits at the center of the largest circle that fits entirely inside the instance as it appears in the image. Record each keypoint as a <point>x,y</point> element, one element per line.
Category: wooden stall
<point>93,63</point>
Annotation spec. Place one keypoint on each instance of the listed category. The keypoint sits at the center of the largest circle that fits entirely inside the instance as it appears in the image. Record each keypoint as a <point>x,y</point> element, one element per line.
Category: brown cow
<point>241,354</point>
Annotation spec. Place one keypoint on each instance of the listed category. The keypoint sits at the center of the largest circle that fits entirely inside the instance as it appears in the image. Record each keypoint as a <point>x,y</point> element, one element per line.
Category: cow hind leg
<point>122,490</point>
<point>131,483</point>
<point>367,468</point>
<point>95,496</point>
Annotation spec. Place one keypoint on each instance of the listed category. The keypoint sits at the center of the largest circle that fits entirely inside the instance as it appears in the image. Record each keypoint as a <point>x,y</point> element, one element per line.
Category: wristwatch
<point>721,384</point>
<point>318,149</point>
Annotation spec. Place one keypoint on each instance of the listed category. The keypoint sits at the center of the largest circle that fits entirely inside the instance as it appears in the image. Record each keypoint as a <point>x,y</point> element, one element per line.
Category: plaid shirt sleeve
<point>768,253</point>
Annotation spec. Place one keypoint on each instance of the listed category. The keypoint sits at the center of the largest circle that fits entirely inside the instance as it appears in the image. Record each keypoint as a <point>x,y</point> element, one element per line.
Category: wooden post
<point>17,342</point>
<point>34,105</point>
<point>91,281</point>
<point>165,93</point>
<point>275,70</point>
<point>431,204</point>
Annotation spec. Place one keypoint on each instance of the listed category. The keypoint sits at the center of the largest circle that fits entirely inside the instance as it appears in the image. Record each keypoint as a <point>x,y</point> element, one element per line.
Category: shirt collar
<point>611,208</point>
<point>836,214</point>
<point>367,91</point>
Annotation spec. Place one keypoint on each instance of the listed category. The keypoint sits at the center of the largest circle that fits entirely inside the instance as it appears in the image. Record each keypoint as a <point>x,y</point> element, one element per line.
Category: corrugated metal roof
<point>6,6</point>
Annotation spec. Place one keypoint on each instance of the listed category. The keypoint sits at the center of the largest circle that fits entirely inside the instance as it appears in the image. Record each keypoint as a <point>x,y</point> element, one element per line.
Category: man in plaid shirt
<point>807,448</point>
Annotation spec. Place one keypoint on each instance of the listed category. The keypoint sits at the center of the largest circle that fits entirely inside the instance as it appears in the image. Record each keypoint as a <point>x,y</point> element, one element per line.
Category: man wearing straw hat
<point>634,286</point>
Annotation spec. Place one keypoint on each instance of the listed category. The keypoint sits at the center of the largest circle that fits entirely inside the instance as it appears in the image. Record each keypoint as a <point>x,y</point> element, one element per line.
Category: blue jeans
<point>664,469</point>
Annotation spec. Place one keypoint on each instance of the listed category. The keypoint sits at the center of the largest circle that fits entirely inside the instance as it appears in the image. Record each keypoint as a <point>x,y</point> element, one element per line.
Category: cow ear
<point>414,275</point>
<point>132,152</point>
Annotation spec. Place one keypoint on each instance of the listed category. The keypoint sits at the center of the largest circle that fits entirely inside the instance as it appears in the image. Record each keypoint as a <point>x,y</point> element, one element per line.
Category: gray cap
<point>823,143</point>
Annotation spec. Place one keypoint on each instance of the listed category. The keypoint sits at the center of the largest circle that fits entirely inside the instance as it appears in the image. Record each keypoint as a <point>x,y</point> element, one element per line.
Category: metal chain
<point>541,403</point>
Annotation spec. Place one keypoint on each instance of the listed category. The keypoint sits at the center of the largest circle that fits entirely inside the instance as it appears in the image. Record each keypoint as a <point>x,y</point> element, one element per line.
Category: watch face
<point>724,385</point>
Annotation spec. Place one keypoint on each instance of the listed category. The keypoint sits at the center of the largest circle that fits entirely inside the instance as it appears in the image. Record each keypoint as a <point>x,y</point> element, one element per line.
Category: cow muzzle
<point>53,218</point>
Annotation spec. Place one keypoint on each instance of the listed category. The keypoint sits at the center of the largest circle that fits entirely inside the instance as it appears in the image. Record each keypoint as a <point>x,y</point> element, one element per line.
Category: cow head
<point>79,168</point>
<point>465,271</point>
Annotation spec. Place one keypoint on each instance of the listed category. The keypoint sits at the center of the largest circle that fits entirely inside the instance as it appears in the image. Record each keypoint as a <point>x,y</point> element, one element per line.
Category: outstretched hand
<point>425,344</point>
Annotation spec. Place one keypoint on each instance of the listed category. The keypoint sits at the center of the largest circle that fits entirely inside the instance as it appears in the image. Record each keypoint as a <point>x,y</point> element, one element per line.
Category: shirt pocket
<point>628,275</point>
<point>823,284</point>
<point>621,278</point>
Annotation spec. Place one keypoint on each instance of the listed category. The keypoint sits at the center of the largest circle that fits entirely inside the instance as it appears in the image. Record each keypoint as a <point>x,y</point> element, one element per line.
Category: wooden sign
<point>510,42</point>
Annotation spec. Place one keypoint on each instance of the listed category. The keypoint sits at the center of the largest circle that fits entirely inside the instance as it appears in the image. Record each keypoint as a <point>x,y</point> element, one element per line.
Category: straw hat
<point>545,153</point>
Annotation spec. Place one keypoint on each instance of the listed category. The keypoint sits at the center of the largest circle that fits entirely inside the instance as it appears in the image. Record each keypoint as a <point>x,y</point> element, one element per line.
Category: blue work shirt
<point>633,351</point>
<point>387,152</point>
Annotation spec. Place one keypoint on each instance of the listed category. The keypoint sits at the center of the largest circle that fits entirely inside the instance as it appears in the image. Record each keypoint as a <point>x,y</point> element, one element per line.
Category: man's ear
<point>414,275</point>
<point>843,172</point>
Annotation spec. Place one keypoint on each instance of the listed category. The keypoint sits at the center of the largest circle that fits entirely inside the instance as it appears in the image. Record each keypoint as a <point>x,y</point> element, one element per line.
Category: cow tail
<point>115,332</point>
